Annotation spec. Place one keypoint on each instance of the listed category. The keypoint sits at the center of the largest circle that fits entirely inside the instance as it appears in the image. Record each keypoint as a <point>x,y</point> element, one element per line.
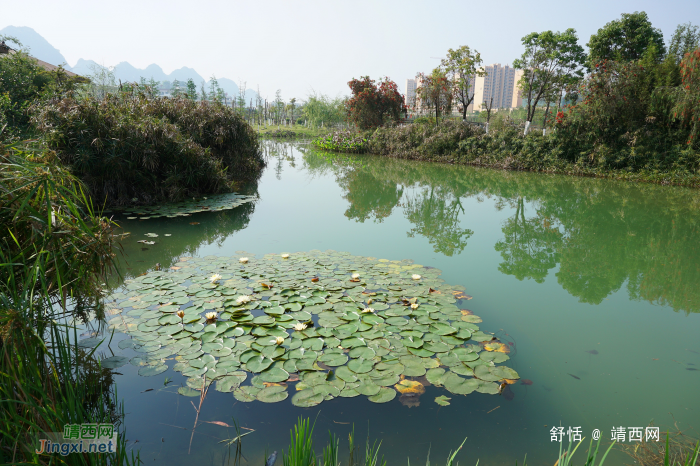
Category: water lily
<point>279,340</point>
<point>243,299</point>
<point>243,260</point>
<point>415,276</point>
<point>367,309</point>
<point>210,315</point>
<point>355,276</point>
<point>414,306</point>
<point>285,256</point>
<point>370,301</point>
<point>215,278</point>
<point>299,326</point>
<point>181,314</point>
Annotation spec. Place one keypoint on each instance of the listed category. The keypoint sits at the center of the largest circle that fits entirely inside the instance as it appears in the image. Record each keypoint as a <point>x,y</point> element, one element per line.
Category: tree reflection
<point>603,236</point>
<point>436,217</point>
<point>530,247</point>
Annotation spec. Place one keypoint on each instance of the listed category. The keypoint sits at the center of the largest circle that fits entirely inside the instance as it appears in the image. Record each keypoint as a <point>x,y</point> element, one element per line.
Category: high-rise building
<point>410,96</point>
<point>499,84</point>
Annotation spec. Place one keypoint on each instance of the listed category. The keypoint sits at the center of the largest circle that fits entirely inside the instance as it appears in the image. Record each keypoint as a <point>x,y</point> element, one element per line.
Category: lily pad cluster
<point>328,324</point>
<point>213,203</point>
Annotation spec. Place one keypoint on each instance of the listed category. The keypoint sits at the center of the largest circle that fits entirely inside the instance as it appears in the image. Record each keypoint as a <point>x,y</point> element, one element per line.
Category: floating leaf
<point>272,394</point>
<point>187,391</point>
<point>410,386</point>
<point>442,400</point>
<point>114,362</point>
<point>307,398</point>
<point>384,395</point>
<point>149,371</point>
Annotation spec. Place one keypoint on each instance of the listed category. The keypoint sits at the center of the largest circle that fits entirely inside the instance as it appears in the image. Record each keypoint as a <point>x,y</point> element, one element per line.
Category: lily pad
<point>149,371</point>
<point>383,396</point>
<point>307,398</point>
<point>114,362</point>
<point>442,400</point>
<point>272,394</point>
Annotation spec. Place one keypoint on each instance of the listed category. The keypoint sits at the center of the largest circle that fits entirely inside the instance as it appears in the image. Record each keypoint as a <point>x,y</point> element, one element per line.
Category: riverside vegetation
<point>62,151</point>
<point>634,116</point>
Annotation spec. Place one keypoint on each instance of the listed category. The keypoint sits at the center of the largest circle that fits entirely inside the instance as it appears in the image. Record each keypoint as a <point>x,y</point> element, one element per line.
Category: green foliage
<point>47,218</point>
<point>462,65</point>
<point>128,146</point>
<point>374,104</point>
<point>687,107</point>
<point>625,39</point>
<point>342,141</point>
<point>435,93</point>
<point>551,61</point>
<point>22,83</point>
<point>685,39</point>
<point>320,108</point>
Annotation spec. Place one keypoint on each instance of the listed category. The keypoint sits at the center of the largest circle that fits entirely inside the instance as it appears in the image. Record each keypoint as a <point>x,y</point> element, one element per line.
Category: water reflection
<point>602,235</point>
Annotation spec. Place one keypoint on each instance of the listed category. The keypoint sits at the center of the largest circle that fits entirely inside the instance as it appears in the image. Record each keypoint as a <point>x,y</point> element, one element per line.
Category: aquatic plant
<point>129,146</point>
<point>318,329</point>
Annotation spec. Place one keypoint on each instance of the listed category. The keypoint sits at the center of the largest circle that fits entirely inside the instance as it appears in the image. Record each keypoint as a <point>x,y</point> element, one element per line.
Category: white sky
<point>313,45</point>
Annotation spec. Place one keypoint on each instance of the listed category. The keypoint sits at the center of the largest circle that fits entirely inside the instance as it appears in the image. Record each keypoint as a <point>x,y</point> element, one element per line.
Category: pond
<point>593,287</point>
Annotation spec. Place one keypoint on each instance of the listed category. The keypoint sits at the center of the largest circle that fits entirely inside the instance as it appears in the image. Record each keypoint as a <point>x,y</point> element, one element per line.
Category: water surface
<point>594,283</point>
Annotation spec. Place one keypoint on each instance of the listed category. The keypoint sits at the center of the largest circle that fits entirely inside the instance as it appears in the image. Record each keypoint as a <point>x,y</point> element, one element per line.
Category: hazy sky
<point>313,45</point>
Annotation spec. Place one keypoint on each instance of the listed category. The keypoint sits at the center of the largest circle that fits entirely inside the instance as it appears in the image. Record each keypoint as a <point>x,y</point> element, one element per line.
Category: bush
<point>127,148</point>
<point>47,218</point>
<point>342,141</point>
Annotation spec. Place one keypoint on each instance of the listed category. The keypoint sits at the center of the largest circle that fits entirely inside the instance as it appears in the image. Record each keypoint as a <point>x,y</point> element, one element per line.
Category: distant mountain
<point>124,71</point>
<point>37,45</point>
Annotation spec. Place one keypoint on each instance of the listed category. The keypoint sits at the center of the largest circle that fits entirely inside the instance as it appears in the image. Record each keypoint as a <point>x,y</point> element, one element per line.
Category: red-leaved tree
<point>374,103</point>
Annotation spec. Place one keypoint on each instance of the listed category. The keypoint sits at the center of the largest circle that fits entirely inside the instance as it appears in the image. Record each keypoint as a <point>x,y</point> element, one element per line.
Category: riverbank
<point>506,148</point>
<point>291,132</point>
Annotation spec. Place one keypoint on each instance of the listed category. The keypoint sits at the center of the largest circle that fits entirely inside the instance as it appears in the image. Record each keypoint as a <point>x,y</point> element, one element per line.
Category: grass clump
<point>343,141</point>
<point>129,148</point>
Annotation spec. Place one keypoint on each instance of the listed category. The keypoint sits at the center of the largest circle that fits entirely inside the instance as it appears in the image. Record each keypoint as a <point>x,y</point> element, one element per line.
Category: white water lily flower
<point>210,315</point>
<point>285,256</point>
<point>243,260</point>
<point>414,306</point>
<point>415,276</point>
<point>243,299</point>
<point>367,309</point>
<point>279,340</point>
<point>355,276</point>
<point>299,326</point>
<point>215,278</point>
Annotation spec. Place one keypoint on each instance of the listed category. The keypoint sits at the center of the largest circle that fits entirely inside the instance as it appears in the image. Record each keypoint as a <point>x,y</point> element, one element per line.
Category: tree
<point>463,65</point>
<point>320,108</point>
<point>625,39</point>
<point>191,89</point>
<point>688,104</point>
<point>279,105</point>
<point>549,58</point>
<point>434,91</point>
<point>685,39</point>
<point>202,92</point>
<point>175,90</point>
<point>374,103</point>
<point>292,103</point>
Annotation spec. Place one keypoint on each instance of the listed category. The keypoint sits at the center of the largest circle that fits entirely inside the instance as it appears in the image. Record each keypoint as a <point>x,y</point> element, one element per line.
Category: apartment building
<point>500,83</point>
<point>410,95</point>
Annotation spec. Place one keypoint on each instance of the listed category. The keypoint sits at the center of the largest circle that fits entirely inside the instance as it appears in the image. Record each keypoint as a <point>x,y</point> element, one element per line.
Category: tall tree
<point>292,103</point>
<point>202,92</point>
<point>625,39</point>
<point>175,90</point>
<point>374,103</point>
<point>191,89</point>
<point>434,91</point>
<point>462,66</point>
<point>549,58</point>
<point>685,39</point>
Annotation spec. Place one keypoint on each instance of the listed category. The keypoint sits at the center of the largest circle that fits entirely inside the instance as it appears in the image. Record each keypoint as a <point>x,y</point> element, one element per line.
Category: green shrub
<point>47,218</point>
<point>128,148</point>
<point>342,141</point>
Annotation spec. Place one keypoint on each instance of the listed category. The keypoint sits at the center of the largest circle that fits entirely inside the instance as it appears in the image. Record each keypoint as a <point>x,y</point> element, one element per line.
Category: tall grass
<point>129,146</point>
<point>46,217</point>
<point>54,254</point>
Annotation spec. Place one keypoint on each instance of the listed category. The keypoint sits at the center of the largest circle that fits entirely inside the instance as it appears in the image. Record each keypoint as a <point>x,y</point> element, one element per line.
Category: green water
<point>596,285</point>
